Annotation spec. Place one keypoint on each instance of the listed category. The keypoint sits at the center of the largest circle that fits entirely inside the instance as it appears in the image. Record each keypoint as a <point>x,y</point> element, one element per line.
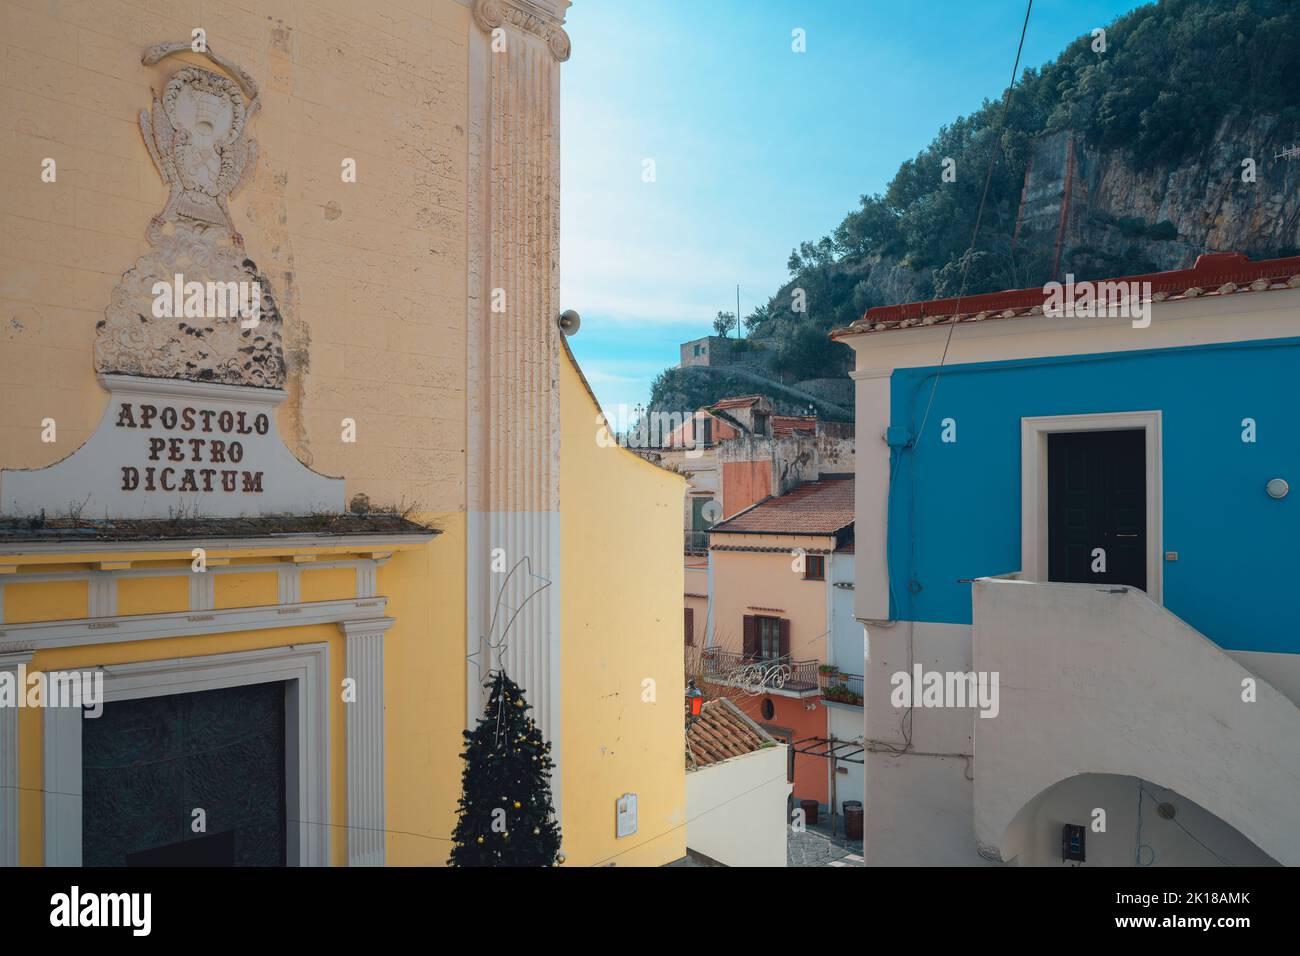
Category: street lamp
<point>694,701</point>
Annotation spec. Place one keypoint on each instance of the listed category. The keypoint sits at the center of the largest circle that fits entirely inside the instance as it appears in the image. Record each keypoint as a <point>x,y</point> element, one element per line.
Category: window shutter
<point>785,637</point>
<point>750,646</point>
<point>690,626</point>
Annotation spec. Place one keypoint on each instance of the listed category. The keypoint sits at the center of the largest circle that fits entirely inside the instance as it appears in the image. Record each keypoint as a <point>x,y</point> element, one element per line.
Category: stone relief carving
<point>491,14</point>
<point>196,137</point>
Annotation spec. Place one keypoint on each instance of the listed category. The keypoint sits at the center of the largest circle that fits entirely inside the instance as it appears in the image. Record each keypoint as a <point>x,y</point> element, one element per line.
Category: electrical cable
<point>914,442</point>
<point>979,215</point>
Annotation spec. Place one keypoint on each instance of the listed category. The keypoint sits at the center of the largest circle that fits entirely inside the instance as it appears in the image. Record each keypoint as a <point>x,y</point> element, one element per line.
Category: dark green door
<point>149,764</point>
<point>1096,507</point>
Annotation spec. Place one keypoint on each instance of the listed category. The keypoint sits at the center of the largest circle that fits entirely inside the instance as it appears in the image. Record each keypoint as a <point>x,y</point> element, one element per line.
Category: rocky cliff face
<point>1123,217</point>
<point>1164,215</point>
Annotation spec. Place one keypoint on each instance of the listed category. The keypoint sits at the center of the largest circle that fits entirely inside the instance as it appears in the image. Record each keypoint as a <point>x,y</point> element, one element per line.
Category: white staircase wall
<point>1098,679</point>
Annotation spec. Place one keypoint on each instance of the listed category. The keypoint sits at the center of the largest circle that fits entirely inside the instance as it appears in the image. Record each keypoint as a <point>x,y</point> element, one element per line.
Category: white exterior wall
<point>920,804</point>
<point>846,648</point>
<point>1128,839</point>
<point>844,722</point>
<point>736,810</point>
<point>1103,680</point>
<point>920,807</point>
<point>871,494</point>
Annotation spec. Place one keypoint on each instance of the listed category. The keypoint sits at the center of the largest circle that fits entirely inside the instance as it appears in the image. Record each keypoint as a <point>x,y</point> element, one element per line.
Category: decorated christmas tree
<point>506,814</point>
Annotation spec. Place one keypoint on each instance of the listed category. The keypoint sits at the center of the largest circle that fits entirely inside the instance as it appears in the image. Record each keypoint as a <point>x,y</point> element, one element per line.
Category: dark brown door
<point>1096,507</point>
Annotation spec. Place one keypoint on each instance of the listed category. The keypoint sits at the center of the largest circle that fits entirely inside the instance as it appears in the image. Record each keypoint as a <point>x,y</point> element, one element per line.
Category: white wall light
<point>1277,488</point>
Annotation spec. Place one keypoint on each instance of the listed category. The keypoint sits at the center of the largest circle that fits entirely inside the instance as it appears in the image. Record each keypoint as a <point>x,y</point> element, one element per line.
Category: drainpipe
<point>830,606</point>
<point>708,610</point>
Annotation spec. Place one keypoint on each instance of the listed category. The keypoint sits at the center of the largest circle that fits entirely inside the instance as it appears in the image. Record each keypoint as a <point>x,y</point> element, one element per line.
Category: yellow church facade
<point>279,546</point>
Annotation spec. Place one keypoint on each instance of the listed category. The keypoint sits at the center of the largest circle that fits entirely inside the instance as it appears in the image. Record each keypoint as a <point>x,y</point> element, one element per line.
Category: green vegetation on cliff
<point>1171,74</point>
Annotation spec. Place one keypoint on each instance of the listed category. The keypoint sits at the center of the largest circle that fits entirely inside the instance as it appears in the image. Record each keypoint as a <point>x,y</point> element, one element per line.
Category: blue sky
<point>755,147</point>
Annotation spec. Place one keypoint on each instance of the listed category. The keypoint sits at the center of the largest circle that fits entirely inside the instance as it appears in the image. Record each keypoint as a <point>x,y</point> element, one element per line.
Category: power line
<point>979,216</point>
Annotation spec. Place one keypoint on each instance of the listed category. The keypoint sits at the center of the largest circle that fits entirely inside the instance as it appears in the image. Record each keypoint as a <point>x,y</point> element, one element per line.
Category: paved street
<point>816,847</point>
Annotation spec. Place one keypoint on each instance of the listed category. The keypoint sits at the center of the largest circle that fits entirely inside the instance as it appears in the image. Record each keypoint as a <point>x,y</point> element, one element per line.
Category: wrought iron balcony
<point>778,675</point>
<point>697,542</point>
<point>840,687</point>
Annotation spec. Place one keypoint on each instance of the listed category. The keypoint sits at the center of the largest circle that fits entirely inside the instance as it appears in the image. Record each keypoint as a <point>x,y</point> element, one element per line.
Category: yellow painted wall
<point>30,728</point>
<point>158,595</point>
<point>423,672</point>
<point>45,601</point>
<point>621,614</point>
<point>424,690</point>
<point>256,589</point>
<point>370,278</point>
<point>317,584</point>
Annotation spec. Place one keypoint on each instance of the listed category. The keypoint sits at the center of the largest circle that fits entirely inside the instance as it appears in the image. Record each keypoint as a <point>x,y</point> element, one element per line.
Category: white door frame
<point>305,668</point>
<point>1033,487</point>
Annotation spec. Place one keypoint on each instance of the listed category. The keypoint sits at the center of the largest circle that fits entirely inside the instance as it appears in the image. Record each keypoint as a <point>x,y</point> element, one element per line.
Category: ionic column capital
<point>541,18</point>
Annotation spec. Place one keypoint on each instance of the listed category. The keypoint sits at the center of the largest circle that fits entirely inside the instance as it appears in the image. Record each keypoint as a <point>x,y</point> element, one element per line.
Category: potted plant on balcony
<point>840,693</point>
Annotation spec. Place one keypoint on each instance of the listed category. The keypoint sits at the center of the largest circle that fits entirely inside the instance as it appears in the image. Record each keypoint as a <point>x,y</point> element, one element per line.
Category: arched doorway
<point>1127,821</point>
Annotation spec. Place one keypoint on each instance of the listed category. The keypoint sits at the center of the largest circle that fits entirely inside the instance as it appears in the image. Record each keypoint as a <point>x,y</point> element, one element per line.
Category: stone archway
<point>1145,824</point>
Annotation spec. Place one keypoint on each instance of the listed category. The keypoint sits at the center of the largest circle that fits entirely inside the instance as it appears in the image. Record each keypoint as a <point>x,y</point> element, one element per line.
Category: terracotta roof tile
<point>791,424</point>
<point>1224,273</point>
<point>743,401</point>
<point>722,732</point>
<point>814,507</point>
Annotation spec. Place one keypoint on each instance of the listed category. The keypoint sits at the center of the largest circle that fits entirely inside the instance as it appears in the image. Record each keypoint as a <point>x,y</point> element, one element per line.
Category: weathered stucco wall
<point>370,276</point>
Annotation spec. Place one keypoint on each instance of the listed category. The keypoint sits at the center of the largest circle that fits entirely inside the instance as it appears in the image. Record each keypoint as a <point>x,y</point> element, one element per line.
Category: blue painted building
<point>955,512</point>
<point>1087,490</point>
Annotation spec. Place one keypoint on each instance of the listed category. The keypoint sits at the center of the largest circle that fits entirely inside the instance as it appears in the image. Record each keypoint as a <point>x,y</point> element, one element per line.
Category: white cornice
<point>183,388</point>
<point>181,548</point>
<point>1213,320</point>
<point>42,635</point>
<point>366,627</point>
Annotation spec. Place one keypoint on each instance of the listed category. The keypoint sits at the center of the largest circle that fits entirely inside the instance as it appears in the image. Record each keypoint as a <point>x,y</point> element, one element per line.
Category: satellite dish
<point>711,512</point>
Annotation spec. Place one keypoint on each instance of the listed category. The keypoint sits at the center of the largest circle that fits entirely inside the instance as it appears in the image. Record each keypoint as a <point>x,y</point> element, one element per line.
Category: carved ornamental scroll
<point>196,136</point>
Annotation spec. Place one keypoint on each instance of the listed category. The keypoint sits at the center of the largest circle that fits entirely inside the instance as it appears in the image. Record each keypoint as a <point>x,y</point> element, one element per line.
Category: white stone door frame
<point>1033,487</point>
<point>305,668</point>
<point>9,790</point>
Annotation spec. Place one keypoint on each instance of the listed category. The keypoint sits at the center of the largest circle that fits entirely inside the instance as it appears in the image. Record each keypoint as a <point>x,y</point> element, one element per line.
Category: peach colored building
<point>774,569</point>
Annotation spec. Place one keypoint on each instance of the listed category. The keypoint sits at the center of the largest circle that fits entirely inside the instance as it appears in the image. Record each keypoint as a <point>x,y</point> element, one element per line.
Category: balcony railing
<point>842,688</point>
<point>779,675</point>
<point>697,542</point>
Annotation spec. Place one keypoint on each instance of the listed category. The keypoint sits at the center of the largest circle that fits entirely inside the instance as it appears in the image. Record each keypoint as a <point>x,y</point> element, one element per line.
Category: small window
<point>814,568</point>
<point>768,709</point>
<point>697,351</point>
<point>769,638</point>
